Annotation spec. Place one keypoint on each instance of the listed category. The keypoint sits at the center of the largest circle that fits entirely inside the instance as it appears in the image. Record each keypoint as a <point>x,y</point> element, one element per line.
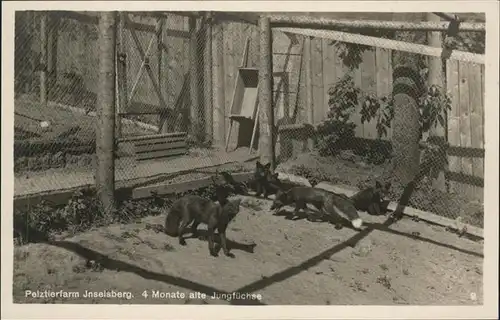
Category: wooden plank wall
<point>373,76</point>
<point>465,81</point>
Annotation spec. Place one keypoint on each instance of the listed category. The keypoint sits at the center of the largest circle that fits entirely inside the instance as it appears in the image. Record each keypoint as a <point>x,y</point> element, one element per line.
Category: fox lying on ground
<point>372,199</point>
<point>196,209</point>
<point>330,204</point>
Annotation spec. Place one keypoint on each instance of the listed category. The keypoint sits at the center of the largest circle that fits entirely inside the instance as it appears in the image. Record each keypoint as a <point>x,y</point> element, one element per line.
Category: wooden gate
<point>128,43</point>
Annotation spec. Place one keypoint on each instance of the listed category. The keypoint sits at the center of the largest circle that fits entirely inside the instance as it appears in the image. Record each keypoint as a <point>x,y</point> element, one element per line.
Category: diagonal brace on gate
<point>139,74</point>
<point>144,57</point>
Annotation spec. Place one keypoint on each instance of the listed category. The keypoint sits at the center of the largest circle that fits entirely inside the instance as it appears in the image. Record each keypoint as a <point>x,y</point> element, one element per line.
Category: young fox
<point>372,199</point>
<point>261,179</point>
<point>329,203</point>
<point>195,209</point>
<point>237,187</point>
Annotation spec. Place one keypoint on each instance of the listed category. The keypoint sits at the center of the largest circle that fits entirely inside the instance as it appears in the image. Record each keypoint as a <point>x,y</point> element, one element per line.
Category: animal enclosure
<point>120,115</point>
<point>177,74</point>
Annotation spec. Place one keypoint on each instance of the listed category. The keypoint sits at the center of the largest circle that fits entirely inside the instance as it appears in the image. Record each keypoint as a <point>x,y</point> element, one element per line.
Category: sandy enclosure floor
<point>285,261</point>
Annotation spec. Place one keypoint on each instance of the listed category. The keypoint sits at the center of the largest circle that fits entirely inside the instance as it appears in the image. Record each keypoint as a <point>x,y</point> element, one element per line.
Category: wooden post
<point>436,78</point>
<point>53,22</point>
<point>43,58</point>
<point>266,114</point>
<point>207,79</point>
<point>105,173</point>
<point>194,78</point>
<point>309,88</point>
<point>122,106</point>
<point>159,52</point>
<point>219,116</point>
<point>162,73</point>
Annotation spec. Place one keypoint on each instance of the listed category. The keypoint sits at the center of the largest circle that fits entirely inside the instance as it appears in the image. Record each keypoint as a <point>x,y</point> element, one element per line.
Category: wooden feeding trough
<point>154,146</point>
<point>245,101</point>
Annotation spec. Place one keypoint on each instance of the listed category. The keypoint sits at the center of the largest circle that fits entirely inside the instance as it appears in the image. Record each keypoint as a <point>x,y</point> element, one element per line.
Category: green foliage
<point>432,105</point>
<point>337,130</point>
<point>382,110</point>
<point>343,98</point>
<point>352,54</point>
<point>470,41</point>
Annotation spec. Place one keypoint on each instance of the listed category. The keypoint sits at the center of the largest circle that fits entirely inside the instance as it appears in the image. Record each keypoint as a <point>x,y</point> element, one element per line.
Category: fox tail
<point>357,223</point>
<point>351,215</point>
<point>172,222</point>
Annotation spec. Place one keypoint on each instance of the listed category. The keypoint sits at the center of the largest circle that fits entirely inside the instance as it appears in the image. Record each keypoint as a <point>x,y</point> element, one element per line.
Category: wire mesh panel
<point>174,84</point>
<point>55,93</point>
<point>347,128</point>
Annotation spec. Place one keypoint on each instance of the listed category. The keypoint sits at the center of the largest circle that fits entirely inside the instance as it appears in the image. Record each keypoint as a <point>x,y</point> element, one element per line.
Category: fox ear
<point>378,185</point>
<point>267,166</point>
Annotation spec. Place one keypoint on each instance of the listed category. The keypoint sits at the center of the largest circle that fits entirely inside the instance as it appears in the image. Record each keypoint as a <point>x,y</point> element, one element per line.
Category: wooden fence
<point>465,122</point>
<point>465,82</point>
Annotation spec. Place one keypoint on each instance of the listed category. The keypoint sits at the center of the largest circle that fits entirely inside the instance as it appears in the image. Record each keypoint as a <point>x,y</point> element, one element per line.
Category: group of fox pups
<point>217,214</point>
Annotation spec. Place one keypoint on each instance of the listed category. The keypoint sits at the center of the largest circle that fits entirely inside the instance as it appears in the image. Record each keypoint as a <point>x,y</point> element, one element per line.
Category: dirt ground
<point>284,261</point>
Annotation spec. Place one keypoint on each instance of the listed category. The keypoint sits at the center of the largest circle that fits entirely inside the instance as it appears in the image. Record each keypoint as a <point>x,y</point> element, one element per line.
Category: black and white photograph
<point>249,158</point>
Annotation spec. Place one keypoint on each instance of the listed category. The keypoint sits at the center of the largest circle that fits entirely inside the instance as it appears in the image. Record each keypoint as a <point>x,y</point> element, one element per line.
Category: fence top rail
<point>315,22</point>
<point>385,43</point>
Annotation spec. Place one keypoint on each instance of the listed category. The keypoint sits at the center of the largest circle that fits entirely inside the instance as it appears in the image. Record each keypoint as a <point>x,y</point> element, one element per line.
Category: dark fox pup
<point>372,199</point>
<point>261,179</point>
<point>237,187</point>
<point>196,209</point>
<point>222,189</point>
<point>330,204</point>
<point>268,183</point>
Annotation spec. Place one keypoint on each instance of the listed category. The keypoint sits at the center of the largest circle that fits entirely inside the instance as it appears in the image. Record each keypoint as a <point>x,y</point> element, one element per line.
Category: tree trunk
<point>407,89</point>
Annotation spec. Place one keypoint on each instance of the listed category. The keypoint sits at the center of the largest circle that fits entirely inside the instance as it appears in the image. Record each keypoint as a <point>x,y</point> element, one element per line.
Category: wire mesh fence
<point>164,93</point>
<point>190,82</point>
<point>344,126</point>
<point>50,85</point>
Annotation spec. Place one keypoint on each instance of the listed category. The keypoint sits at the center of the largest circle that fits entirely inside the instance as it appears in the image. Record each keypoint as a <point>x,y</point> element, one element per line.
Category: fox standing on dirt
<point>372,199</point>
<point>264,181</point>
<point>330,204</point>
<point>196,209</point>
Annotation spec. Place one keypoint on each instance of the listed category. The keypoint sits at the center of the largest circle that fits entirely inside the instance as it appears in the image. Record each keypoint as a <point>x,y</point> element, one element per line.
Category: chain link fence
<point>55,81</point>
<point>342,126</point>
<point>175,83</point>
<point>190,82</point>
